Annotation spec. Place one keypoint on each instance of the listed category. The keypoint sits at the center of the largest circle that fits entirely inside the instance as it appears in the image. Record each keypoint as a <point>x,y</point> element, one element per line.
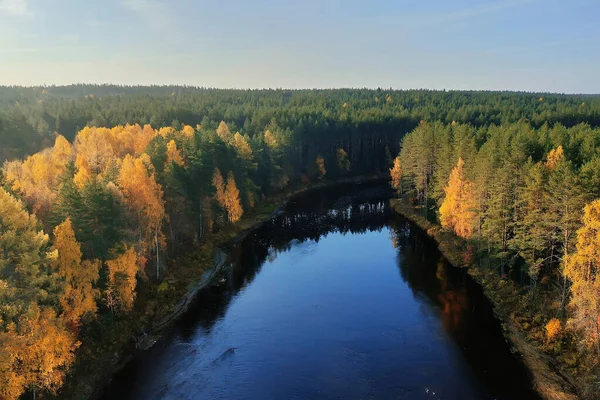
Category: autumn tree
<point>94,152</point>
<point>458,208</point>
<point>219,185</point>
<point>144,197</point>
<point>224,133</point>
<point>554,157</point>
<point>37,178</point>
<point>122,272</point>
<point>79,295</point>
<point>173,154</point>
<point>583,269</point>
<point>35,348</point>
<point>232,200</point>
<point>396,175</point>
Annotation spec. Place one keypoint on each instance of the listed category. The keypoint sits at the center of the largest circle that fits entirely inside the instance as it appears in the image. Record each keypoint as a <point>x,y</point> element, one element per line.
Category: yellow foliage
<point>219,185</point>
<point>35,347</point>
<point>61,153</point>
<point>167,132</point>
<point>187,131</point>
<point>228,195</point>
<point>46,352</point>
<point>224,132</point>
<point>241,146</point>
<point>552,329</point>
<point>142,140</point>
<point>173,154</point>
<point>37,178</point>
<point>122,273</point>
<point>457,211</point>
<point>13,172</point>
<point>554,157</point>
<point>271,140</point>
<point>143,195</point>
<point>94,144</point>
<point>79,296</point>
<point>83,174</point>
<point>232,200</point>
<point>583,269</point>
<point>396,174</point>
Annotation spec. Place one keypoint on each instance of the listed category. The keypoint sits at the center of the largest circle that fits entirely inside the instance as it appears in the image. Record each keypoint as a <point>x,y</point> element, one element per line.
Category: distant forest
<point>103,186</point>
<point>29,116</point>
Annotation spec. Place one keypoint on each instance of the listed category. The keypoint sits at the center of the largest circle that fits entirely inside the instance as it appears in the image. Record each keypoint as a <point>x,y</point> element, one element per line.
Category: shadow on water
<point>444,292</point>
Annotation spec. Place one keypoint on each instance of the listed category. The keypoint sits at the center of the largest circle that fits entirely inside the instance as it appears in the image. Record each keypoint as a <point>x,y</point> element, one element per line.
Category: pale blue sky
<point>534,45</point>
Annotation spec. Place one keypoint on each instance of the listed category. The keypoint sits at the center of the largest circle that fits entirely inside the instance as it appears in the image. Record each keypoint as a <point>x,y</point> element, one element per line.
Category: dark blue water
<point>335,299</point>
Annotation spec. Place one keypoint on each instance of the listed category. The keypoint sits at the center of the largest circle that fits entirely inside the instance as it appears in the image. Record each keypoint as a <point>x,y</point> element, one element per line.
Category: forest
<point>526,202</point>
<point>103,186</point>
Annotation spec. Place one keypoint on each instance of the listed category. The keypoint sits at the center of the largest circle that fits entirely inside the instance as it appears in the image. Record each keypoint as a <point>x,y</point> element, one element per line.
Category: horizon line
<point>280,88</point>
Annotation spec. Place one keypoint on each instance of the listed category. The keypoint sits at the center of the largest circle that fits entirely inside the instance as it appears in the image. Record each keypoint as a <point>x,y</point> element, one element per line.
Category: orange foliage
<point>396,174</point>
<point>219,186</point>
<point>79,296</point>
<point>167,132</point>
<point>187,131</point>
<point>36,353</point>
<point>142,139</point>
<point>552,329</point>
<point>228,195</point>
<point>232,200</point>
<point>122,273</point>
<point>457,210</point>
<point>143,195</point>
<point>173,154</point>
<point>583,269</point>
<point>95,146</point>
<point>37,178</point>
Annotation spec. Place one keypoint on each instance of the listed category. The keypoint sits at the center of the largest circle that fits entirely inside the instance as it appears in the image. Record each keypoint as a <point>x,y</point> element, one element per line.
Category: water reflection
<point>329,318</point>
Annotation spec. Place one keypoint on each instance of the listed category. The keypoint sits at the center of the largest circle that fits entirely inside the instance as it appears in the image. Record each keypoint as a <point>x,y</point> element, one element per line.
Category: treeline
<point>29,116</point>
<point>86,227</point>
<point>526,200</point>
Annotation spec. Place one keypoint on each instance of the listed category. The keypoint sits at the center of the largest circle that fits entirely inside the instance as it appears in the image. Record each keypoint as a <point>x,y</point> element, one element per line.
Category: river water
<point>336,298</point>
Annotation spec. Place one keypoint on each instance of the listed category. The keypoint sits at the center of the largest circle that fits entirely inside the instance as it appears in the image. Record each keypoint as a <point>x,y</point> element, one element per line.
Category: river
<point>336,298</point>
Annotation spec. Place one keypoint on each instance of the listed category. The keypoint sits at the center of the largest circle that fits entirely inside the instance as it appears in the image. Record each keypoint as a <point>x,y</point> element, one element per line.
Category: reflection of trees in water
<point>311,222</point>
<point>291,229</point>
<point>466,314</point>
<point>427,273</point>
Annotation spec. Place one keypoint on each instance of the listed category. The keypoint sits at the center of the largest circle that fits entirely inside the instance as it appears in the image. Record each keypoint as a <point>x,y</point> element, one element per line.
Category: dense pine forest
<point>103,186</point>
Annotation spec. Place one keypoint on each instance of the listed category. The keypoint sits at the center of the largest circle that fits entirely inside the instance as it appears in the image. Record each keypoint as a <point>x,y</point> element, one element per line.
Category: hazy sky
<point>534,45</point>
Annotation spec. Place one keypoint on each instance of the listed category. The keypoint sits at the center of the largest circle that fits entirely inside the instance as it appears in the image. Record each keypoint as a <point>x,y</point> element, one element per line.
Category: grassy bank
<point>522,322</point>
<point>110,346</point>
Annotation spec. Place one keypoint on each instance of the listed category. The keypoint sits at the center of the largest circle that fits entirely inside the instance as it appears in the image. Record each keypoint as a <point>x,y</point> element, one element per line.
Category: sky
<point>528,45</point>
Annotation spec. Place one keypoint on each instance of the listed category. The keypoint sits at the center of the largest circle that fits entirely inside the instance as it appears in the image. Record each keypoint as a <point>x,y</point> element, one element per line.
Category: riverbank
<point>163,304</point>
<point>510,306</point>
